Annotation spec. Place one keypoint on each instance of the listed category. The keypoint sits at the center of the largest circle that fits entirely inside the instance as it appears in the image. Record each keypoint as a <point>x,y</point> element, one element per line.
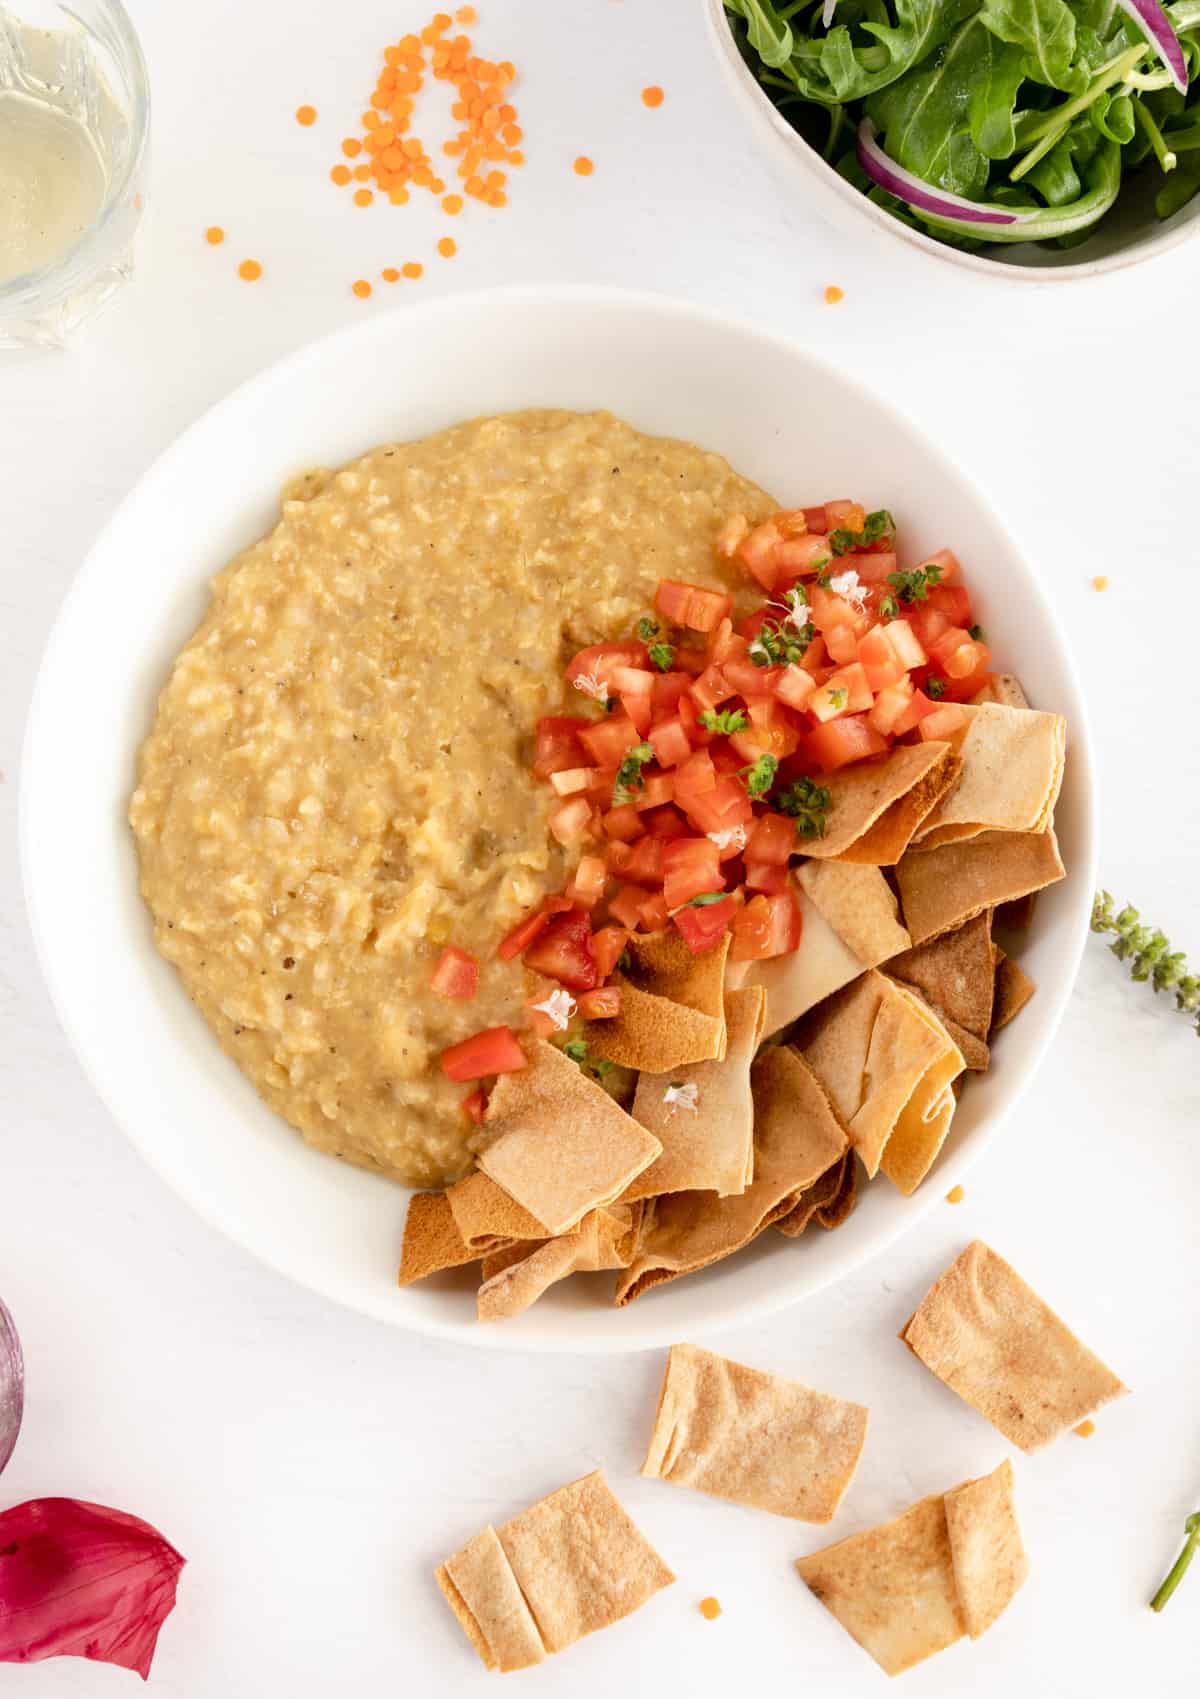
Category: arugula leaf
<point>808,803</point>
<point>768,34</point>
<point>629,774</point>
<point>1044,30</point>
<point>663,656</point>
<point>726,721</point>
<point>761,776</point>
<point>852,71</point>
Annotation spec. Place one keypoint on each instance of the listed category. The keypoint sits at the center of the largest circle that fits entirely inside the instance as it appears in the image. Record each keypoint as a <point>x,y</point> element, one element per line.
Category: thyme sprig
<point>1148,953</point>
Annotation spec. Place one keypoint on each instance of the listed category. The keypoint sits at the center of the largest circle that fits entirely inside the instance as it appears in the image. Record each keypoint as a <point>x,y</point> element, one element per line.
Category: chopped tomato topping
<point>570,823</point>
<point>475,1106</point>
<point>689,605</point>
<point>645,864</point>
<point>845,515</point>
<point>691,868</point>
<point>918,707</point>
<point>596,663</point>
<point>557,745</point>
<point>609,741</point>
<point>842,741</point>
<point>701,928</point>
<point>607,945</point>
<point>516,942</point>
<point>602,1004</point>
<point>945,722</point>
<point>564,952</point>
<point>626,907</point>
<point>496,1051</point>
<point>655,914</point>
<point>623,823</point>
<point>671,743</point>
<point>587,887</point>
<point>767,926</point>
<point>765,876</point>
<point>455,974</point>
<point>772,839</point>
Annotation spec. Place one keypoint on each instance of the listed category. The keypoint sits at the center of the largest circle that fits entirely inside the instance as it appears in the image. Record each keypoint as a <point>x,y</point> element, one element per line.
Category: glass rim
<point>33,283</point>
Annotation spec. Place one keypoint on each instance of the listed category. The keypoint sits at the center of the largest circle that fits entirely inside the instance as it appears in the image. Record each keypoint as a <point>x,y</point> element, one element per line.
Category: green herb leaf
<point>663,656</point>
<point>768,34</point>
<point>1044,31</point>
<point>1149,954</point>
<point>1180,1566</point>
<point>647,628</point>
<point>935,688</point>
<point>824,573</point>
<point>625,961</point>
<point>706,899</point>
<point>889,607</point>
<point>914,586</point>
<point>975,633</point>
<point>761,776</point>
<point>576,1049</point>
<point>629,774</point>
<point>876,526</point>
<point>779,646</point>
<point>838,696</point>
<point>808,804</point>
<point>725,721</point>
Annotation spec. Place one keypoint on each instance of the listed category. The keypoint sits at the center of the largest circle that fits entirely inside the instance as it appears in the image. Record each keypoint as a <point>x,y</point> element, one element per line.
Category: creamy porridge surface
<point>337,779</point>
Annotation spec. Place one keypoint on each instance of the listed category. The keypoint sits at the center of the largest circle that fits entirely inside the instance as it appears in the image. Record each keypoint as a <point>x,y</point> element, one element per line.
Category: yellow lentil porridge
<point>337,780</point>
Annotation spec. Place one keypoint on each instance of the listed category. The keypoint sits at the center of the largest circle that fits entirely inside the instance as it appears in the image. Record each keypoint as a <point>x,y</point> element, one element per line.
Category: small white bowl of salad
<point>1032,140</point>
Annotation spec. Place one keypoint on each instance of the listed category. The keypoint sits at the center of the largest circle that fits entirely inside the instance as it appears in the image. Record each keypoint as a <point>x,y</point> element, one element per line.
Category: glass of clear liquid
<point>74,119</point>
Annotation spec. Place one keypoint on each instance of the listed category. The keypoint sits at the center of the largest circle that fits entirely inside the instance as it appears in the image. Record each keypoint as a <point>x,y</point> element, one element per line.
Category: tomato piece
<point>928,623</point>
<point>496,1051</point>
<point>602,1004</point>
<point>572,780</point>
<point>597,662</point>
<point>623,823</point>
<point>842,741</point>
<point>609,741</point>
<point>765,876</point>
<point>657,788</point>
<point>516,942</point>
<point>748,680</point>
<point>767,926</point>
<point>772,731</point>
<point>845,515</point>
<point>671,743</point>
<point>947,561</point>
<point>655,914</point>
<point>890,704</point>
<point>691,606</point>
<point>946,643</point>
<point>701,928</point>
<point>726,644</point>
<point>645,864</point>
<point>919,706</point>
<point>773,840</point>
<point>666,822</point>
<point>905,643</point>
<point>626,907</point>
<point>967,660</point>
<point>587,887</point>
<point>695,776</point>
<point>966,689</point>
<point>801,557</point>
<point>946,721</point>
<point>691,868</point>
<point>689,717</point>
<point>455,974</point>
<point>827,609</point>
<point>607,945</point>
<point>880,663</point>
<point>814,518</point>
<point>569,824</point>
<point>757,553</point>
<point>667,693</point>
<point>842,644</point>
<point>564,952</point>
<point>556,744</point>
<point>474,1107</point>
<point>691,661</point>
<point>618,856</point>
<point>954,601</point>
<point>711,688</point>
<point>725,805</point>
<point>874,567</point>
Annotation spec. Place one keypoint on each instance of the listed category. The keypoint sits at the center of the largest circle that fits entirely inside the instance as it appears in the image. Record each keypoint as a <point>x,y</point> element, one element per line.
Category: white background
<point>314,1466</point>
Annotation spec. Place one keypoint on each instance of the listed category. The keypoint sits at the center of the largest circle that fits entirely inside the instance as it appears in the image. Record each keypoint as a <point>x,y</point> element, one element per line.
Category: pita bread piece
<point>992,1340</point>
<point>703,1115</point>
<point>822,1196</point>
<point>892,1587</point>
<point>990,1565</point>
<point>841,1205</point>
<point>432,1241</point>
<point>797,1138</point>
<point>516,1277</point>
<point>580,1562</point>
<point>902,786</point>
<point>943,888</point>
<point>1014,988</point>
<point>672,1006</point>
<point>482,1591</point>
<point>1012,769</point>
<point>754,1438</point>
<point>487,1217</point>
<point>954,974</point>
<point>1005,689</point>
<point>559,1144</point>
<point>921,1126</point>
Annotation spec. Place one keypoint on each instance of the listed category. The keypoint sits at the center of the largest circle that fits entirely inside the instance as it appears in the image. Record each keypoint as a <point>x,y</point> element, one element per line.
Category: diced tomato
<point>670,743</point>
<point>890,704</point>
<point>767,877</point>
<point>773,839</point>
<point>827,609</point>
<point>640,710</point>
<point>842,644</point>
<point>626,907</point>
<point>587,887</point>
<point>967,660</point>
<point>791,521</point>
<point>701,928</point>
<point>725,759</point>
<point>728,538</point>
<point>794,686</point>
<point>666,822</point>
<point>645,864</point>
<point>691,867</point>
<point>667,691</point>
<point>564,952</point>
<point>540,1022</point>
<point>633,681</point>
<point>711,688</point>
<point>757,553</point>
<point>654,915</point>
<point>558,903</point>
<point>845,515</point>
<point>967,688</point>
<point>657,788</point>
<point>570,823</point>
<point>516,942</point>
<point>947,561</point>
<point>696,775</point>
<point>689,717</point>
<point>601,785</point>
<point>609,741</point>
<point>598,661</point>
<point>800,557</point>
<point>623,823</point>
<point>618,856</point>
<point>773,730</point>
<point>748,680</point>
<point>607,945</point>
<point>814,518</point>
<point>767,926</point>
<point>903,640</point>
<point>927,622</point>
<point>726,644</point>
<point>947,643</point>
<point>873,567</point>
<point>496,1051</point>
<point>918,707</point>
<point>842,741</point>
<point>691,661</point>
<point>725,805</point>
<point>954,601</point>
<point>689,605</point>
<point>602,1004</point>
<point>474,1107</point>
<point>455,974</point>
<point>572,780</point>
<point>815,656</point>
<point>556,744</point>
<point>946,721</point>
<point>880,663</point>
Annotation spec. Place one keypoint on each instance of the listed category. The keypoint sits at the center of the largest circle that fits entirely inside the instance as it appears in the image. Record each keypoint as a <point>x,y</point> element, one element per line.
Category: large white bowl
<point>1130,234</point>
<point>782,417</point>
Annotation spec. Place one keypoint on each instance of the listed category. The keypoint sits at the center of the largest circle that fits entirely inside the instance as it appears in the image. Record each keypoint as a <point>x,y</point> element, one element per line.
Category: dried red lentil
<point>652,96</point>
<point>250,271</point>
<point>833,295</point>
<point>306,115</point>
<point>584,166</point>
<point>361,288</point>
<point>447,247</point>
<point>214,235</point>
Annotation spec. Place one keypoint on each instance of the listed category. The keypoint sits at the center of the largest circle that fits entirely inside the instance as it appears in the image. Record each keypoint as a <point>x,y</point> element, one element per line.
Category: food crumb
<point>361,288</point>
<point>250,271</point>
<point>1100,582</point>
<point>583,166</point>
<point>214,235</point>
<point>833,294</point>
<point>1085,1430</point>
<point>652,96</point>
<point>710,1609</point>
<point>390,274</point>
<point>412,269</point>
<point>955,1195</point>
<point>306,115</point>
<point>447,247</point>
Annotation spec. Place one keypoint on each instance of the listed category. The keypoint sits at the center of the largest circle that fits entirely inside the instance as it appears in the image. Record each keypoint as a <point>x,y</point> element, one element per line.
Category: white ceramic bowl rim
<point>184,1047</point>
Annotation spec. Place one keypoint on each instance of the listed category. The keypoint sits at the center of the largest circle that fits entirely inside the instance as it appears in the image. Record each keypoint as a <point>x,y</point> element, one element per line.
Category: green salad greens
<point>984,121</point>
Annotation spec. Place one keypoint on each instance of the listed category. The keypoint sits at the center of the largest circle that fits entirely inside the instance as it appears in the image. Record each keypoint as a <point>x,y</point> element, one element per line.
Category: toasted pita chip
<point>822,1196</point>
<point>559,1144</point>
<point>841,1205</point>
<point>859,905</point>
<point>885,842</point>
<point>755,1438</point>
<point>1012,771</point>
<point>1016,916</point>
<point>923,1123</point>
<point>672,1007</point>
<point>516,1277</point>
<point>892,1587</point>
<point>986,1549</point>
<point>580,1562</point>
<point>1014,988</point>
<point>487,1217</point>
<point>954,974</point>
<point>903,785</point>
<point>1005,689</point>
<point>432,1241</point>
<point>797,1138</point>
<point>703,1116</point>
<point>945,887</point>
<point>482,1591</point>
<point>992,1340</point>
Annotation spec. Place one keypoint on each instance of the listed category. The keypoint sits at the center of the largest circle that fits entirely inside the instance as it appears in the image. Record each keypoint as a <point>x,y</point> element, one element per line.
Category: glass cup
<point>74,117</point>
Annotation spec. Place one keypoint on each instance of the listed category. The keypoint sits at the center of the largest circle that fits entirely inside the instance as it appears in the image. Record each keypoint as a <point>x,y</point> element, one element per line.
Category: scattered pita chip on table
<point>517,1276</point>
<point>876,806</point>
<point>672,1006</point>
<point>559,1145</point>
<point>703,1115</point>
<point>574,1561</point>
<point>993,1341</point>
<point>986,1548</point>
<point>752,1437</point>
<point>942,888</point>
<point>1012,770</point>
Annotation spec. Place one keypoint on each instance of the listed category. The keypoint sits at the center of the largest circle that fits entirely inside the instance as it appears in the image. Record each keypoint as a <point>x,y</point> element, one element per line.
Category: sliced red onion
<point>12,1385</point>
<point>906,187</point>
<point>1149,15</point>
<point>827,12</point>
<point>81,1581</point>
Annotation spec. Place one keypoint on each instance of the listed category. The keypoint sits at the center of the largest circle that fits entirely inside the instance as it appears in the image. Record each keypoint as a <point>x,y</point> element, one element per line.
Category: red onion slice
<point>827,11</point>
<point>906,187</point>
<point>12,1385</point>
<point>1149,16</point>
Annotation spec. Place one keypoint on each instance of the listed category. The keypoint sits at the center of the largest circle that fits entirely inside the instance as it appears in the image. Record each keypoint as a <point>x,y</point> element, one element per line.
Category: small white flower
<point>682,1097</point>
<point>559,1006</point>
<point>846,584</point>
<point>592,685</point>
<point>730,837</point>
<point>759,648</point>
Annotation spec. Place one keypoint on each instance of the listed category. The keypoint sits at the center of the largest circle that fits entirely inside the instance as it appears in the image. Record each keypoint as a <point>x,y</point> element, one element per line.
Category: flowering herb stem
<point>1179,1567</point>
<point>1149,954</point>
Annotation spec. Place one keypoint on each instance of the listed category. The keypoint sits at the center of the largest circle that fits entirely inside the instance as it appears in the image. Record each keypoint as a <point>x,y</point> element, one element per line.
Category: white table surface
<point>314,1466</point>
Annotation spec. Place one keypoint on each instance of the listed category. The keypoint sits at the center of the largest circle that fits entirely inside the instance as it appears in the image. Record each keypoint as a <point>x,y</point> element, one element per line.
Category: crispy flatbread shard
<point>1005,689</point>
<point>516,1277</point>
<point>885,842</point>
<point>1012,769</point>
<point>482,1591</point>
<point>892,1587</point>
<point>560,1145</point>
<point>487,1217</point>
<point>754,1438</point>
<point>859,905</point>
<point>993,1341</point>
<point>862,794</point>
<point>672,1007</point>
<point>921,1126</point>
<point>797,1137</point>
<point>954,974</point>
<point>986,1549</point>
<point>841,1205</point>
<point>945,887</point>
<point>822,1195</point>
<point>707,1141</point>
<point>580,1562</point>
<point>1014,988</point>
<point>432,1241</point>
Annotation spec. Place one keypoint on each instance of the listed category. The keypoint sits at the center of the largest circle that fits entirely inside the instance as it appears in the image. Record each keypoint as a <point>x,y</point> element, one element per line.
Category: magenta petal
<point>81,1581</point>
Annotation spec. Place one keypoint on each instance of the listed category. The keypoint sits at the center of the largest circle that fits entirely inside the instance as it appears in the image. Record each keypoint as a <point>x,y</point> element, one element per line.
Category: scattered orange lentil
<point>833,295</point>
<point>653,96</point>
<point>1085,1430</point>
<point>466,15</point>
<point>250,270</point>
<point>710,1609</point>
<point>352,147</point>
<point>453,204</point>
<point>955,1195</point>
<point>306,115</point>
<point>362,288</point>
<point>341,175</point>
<point>362,173</point>
<point>410,268</point>
<point>584,166</point>
<point>1100,583</point>
<point>398,197</point>
<point>214,235</point>
<point>447,247</point>
<point>390,274</point>
<point>363,197</point>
